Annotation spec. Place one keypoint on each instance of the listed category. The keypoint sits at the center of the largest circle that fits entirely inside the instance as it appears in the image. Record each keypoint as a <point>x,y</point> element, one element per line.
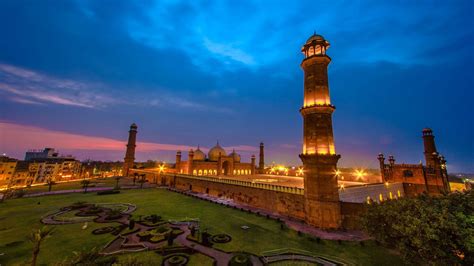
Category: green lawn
<point>99,182</point>
<point>19,216</point>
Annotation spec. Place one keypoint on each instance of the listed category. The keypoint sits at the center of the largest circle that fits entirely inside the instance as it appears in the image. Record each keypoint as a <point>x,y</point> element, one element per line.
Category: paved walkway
<point>292,223</point>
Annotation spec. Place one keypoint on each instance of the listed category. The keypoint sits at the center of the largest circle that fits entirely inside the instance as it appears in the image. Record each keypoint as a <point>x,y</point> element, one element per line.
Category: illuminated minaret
<point>130,153</point>
<point>319,156</point>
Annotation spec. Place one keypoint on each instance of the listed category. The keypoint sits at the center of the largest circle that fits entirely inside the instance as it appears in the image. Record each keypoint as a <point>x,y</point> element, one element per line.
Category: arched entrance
<point>225,167</point>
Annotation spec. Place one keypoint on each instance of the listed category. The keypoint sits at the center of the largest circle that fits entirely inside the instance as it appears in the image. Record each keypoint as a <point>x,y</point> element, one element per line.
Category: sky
<point>75,74</point>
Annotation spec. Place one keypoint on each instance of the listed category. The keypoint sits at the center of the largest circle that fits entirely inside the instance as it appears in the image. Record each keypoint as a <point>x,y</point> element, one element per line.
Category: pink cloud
<point>15,139</point>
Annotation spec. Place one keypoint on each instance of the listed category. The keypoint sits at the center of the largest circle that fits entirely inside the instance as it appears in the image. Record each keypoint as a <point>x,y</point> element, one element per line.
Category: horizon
<point>84,71</point>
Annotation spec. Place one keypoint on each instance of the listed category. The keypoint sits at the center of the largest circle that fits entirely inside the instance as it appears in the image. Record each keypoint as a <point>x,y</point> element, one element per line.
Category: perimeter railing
<point>285,189</point>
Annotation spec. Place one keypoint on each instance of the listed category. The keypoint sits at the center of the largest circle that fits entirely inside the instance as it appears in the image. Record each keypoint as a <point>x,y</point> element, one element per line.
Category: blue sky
<point>192,72</point>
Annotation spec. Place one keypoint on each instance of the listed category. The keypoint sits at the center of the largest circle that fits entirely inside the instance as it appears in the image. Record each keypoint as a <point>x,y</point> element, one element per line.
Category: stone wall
<point>288,204</point>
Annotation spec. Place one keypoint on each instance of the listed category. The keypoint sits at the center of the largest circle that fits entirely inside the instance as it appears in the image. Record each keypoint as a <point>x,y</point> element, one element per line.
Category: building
<point>7,170</point>
<point>129,159</point>
<point>217,162</point>
<point>40,154</point>
<point>431,178</point>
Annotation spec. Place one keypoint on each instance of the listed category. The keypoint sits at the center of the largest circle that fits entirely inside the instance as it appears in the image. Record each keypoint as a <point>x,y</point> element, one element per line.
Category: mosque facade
<point>217,162</point>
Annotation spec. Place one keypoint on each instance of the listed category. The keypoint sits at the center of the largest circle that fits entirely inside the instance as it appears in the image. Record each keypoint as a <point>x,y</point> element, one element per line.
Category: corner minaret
<point>261,162</point>
<point>319,156</point>
<point>431,154</point>
<point>129,159</point>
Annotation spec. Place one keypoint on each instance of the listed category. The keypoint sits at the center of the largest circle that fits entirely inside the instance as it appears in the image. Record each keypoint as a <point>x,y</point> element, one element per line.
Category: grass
<point>99,182</point>
<point>19,216</point>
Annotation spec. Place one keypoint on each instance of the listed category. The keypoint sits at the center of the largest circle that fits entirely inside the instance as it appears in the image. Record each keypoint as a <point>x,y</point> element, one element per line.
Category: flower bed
<point>221,238</point>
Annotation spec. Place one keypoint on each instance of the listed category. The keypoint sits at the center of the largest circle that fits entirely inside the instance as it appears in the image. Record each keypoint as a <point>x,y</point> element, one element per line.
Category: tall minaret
<point>130,153</point>
<point>319,156</point>
<point>261,162</point>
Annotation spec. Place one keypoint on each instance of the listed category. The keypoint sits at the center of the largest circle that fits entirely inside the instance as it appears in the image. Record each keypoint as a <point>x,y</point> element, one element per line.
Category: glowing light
<point>337,172</point>
<point>300,171</point>
<point>360,173</point>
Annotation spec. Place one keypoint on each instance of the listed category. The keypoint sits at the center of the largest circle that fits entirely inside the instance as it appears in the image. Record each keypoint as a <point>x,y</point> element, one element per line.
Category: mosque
<point>217,162</point>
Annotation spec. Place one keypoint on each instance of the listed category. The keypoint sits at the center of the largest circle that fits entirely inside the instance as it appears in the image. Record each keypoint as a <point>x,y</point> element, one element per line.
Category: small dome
<point>315,37</point>
<point>133,126</point>
<point>235,156</point>
<point>215,152</point>
<point>199,155</point>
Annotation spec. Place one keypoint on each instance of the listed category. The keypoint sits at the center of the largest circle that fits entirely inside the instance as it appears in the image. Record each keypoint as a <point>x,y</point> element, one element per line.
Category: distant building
<point>40,154</point>
<point>7,170</point>
<point>418,178</point>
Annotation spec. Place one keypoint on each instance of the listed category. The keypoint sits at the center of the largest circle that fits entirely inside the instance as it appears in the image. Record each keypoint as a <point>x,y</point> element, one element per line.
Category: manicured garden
<point>19,216</point>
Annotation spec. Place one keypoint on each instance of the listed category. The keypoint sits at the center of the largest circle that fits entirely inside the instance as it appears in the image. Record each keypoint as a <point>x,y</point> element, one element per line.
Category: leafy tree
<point>37,237</point>
<point>85,184</point>
<point>426,229</point>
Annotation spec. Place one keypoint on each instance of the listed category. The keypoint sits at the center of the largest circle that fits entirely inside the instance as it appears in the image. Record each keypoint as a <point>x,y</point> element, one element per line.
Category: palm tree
<point>135,175</point>
<point>117,179</point>
<point>37,237</point>
<point>142,181</point>
<point>50,184</point>
<point>85,184</point>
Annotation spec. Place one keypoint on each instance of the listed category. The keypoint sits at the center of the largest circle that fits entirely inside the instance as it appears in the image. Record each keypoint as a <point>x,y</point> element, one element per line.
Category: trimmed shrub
<point>108,192</point>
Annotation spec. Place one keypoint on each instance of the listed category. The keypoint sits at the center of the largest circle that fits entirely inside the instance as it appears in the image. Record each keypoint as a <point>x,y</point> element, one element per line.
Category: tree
<point>50,183</point>
<point>85,184</point>
<point>37,237</point>
<point>434,230</point>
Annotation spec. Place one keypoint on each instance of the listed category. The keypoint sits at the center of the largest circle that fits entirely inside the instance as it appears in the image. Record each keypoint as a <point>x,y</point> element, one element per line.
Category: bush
<point>433,230</point>
<point>108,192</point>
<point>19,193</point>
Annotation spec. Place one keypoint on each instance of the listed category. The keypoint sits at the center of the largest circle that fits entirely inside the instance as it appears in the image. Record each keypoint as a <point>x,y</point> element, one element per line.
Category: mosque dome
<point>199,155</point>
<point>235,156</point>
<point>215,152</point>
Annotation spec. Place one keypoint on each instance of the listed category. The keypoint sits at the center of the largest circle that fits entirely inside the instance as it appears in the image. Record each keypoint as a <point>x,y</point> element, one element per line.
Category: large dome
<point>199,155</point>
<point>235,156</point>
<point>215,152</point>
